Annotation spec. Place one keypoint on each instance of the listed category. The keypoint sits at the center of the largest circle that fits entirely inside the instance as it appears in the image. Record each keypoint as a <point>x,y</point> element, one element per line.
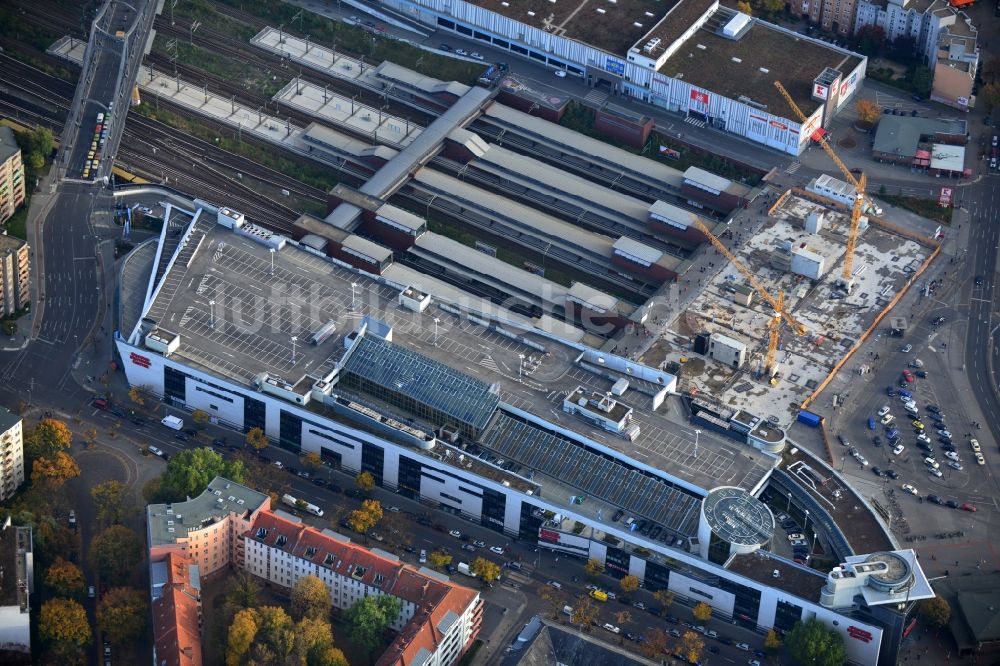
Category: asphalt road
<point>983,336</point>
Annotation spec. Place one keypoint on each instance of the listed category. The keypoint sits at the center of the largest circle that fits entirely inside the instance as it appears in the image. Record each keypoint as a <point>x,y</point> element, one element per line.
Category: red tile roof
<point>176,621</point>
<point>433,597</point>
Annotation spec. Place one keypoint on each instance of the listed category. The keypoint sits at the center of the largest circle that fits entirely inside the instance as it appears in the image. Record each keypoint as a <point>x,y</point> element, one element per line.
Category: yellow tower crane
<point>859,183</point>
<point>776,302</point>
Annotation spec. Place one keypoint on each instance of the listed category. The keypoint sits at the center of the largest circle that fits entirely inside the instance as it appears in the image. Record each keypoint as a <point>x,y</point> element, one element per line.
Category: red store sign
<point>548,535</point>
<point>859,634</point>
<point>140,360</point>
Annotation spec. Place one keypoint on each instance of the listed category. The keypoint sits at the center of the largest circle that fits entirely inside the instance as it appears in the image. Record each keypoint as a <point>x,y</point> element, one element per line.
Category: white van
<point>173,422</point>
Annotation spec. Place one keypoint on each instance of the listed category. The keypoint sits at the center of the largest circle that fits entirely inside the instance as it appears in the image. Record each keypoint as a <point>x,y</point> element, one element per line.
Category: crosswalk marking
<point>793,167</point>
<point>694,121</point>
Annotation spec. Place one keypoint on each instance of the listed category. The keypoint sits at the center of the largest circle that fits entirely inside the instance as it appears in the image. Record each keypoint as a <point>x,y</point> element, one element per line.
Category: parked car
<point>561,73</point>
<point>968,507</point>
<point>935,499</point>
<point>455,533</point>
<point>910,489</point>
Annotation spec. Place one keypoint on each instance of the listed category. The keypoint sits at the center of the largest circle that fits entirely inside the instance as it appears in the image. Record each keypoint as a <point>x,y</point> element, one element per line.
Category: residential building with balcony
<point>11,175</point>
<point>11,453</point>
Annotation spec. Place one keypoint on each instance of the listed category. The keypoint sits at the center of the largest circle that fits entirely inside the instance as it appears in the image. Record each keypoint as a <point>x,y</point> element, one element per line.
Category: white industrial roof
<point>707,179</point>
<point>591,297</point>
<point>581,189</point>
<point>366,248</point>
<point>575,141</point>
<point>493,268</point>
<point>732,343</point>
<point>401,217</point>
<point>834,185</point>
<point>672,214</point>
<point>947,157</point>
<point>637,249</point>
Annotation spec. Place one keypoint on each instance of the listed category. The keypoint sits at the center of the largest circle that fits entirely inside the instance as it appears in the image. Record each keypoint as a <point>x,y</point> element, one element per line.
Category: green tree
<point>365,482</point>
<point>744,7</point>
<point>594,568</point>
<point>65,579</point>
<point>40,141</point>
<point>314,644</point>
<point>368,619</point>
<point>121,615</point>
<point>112,501</point>
<point>115,552</point>
<point>35,161</point>
<point>257,439</point>
<point>275,635</point>
<point>487,570</point>
<point>310,598</point>
<point>312,460</point>
<point>921,78</point>
<point>243,592</point>
<point>629,584</point>
<point>702,612</point>
<point>868,111</point>
<point>774,7</point>
<point>49,437</point>
<point>936,611</point>
<point>990,70</point>
<point>439,559</point>
<point>772,642</point>
<point>190,471</point>
<point>242,631</point>
<point>64,621</point>
<point>811,642</point>
<point>870,40</point>
<point>200,416</point>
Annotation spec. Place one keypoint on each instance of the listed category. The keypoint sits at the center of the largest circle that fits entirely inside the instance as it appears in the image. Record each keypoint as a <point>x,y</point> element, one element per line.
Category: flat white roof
<point>594,298</point>
<point>728,341</point>
<point>637,249</point>
<point>367,248</point>
<point>947,158</point>
<point>672,214</point>
<point>706,178</point>
<point>834,184</point>
<point>401,217</point>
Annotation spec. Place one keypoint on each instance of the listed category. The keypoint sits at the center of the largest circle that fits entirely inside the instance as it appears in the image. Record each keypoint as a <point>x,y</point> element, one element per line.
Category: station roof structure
<point>423,379</point>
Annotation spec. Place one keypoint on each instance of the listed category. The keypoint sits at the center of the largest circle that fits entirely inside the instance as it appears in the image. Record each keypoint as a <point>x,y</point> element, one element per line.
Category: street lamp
<point>211,304</point>
<point>696,433</point>
<point>520,367</point>
<point>294,340</point>
<point>354,301</point>
<point>436,322</point>
<point>789,507</point>
<point>272,261</point>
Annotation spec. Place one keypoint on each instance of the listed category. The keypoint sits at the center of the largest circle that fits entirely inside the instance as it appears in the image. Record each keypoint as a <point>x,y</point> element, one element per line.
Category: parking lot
<point>937,459</point>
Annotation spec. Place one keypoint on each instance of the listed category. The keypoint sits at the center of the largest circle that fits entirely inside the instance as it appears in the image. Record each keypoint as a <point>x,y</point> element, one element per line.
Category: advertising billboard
<point>821,91</point>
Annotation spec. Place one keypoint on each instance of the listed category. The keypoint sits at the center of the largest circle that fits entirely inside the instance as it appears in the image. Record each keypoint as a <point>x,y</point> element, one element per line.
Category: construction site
<point>719,344</point>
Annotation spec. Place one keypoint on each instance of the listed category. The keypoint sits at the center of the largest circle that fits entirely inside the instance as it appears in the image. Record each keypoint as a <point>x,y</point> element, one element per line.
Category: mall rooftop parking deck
<point>236,317</point>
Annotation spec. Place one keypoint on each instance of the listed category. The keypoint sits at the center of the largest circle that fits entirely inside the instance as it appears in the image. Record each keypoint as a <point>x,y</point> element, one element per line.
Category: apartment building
<point>955,67</point>
<point>15,274</point>
<point>438,621</point>
<point>176,607</point>
<point>925,21</point>
<point>11,453</point>
<point>207,529</point>
<point>831,15</point>
<point>11,175</point>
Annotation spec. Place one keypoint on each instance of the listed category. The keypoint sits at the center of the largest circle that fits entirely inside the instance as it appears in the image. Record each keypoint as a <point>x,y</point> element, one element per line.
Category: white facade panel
<point>719,600</point>
<point>224,405</point>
